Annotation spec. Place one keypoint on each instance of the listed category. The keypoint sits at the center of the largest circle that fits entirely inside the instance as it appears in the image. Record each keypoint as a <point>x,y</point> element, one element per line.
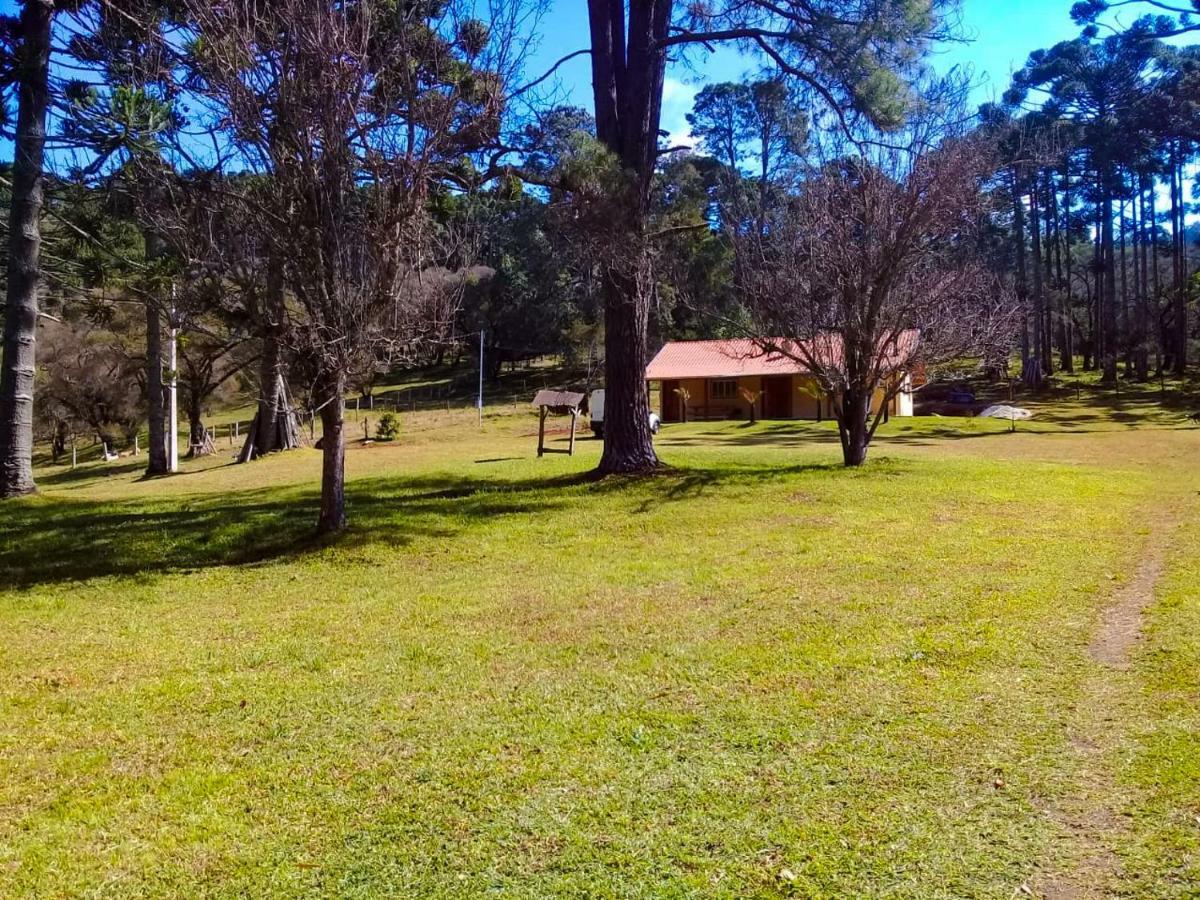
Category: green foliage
<point>884,97</point>
<point>757,126</point>
<point>388,427</point>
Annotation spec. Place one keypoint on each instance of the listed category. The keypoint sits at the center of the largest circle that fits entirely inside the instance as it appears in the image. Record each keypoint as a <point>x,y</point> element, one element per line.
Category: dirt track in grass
<point>1093,818</point>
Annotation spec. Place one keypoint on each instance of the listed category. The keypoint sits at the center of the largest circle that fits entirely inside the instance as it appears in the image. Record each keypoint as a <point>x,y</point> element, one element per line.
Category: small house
<point>714,377</point>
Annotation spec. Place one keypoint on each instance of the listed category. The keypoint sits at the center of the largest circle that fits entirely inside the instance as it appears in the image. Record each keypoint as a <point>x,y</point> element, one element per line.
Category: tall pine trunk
<point>1162,351</point>
<point>1041,349</point>
<point>628,443</point>
<point>628,69</point>
<point>24,252</point>
<point>1067,360</point>
<point>1145,187</point>
<point>1029,364</point>
<point>1124,342</point>
<point>1178,226</point>
<point>332,517</point>
<point>156,414</point>
<point>1108,292</point>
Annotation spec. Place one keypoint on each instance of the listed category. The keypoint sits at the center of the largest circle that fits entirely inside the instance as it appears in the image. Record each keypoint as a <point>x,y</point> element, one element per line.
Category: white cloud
<point>678,97</point>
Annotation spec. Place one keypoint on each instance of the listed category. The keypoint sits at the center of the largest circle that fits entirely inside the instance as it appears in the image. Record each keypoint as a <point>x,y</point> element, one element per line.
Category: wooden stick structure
<point>559,403</point>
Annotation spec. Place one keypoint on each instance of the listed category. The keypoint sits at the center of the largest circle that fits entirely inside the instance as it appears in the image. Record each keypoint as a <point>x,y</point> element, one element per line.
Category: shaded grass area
<point>759,674</point>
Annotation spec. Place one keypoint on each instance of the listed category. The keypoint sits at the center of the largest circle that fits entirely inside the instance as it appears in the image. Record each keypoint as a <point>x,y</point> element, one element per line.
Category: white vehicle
<point>596,411</point>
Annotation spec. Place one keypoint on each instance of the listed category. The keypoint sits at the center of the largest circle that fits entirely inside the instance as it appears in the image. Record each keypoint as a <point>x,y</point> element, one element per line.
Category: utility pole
<point>173,391</point>
<point>479,401</point>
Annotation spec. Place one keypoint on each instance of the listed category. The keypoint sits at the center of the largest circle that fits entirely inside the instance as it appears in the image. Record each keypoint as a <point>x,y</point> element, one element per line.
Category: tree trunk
<point>1108,293</point>
<point>1179,224</point>
<point>1147,230</point>
<point>24,253</point>
<point>275,425</point>
<point>628,443</point>
<point>156,463</point>
<point>271,403</point>
<point>196,443</point>
<point>1030,373</point>
<point>1125,330</point>
<point>1161,351</point>
<point>333,459</point>
<point>1041,350</point>
<point>628,68</point>
<point>1067,361</point>
<point>854,428</point>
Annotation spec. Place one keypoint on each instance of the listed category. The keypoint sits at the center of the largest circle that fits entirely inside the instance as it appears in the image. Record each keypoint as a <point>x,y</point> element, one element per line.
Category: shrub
<point>388,428</point>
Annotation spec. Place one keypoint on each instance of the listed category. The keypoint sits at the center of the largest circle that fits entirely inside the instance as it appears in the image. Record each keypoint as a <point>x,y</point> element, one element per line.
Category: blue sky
<point>1003,33</point>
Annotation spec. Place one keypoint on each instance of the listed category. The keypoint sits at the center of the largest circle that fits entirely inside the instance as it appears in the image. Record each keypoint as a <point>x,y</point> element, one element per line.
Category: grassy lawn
<point>759,674</point>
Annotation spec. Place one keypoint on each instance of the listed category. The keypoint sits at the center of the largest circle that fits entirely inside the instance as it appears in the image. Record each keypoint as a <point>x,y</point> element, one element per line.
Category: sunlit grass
<point>758,674</point>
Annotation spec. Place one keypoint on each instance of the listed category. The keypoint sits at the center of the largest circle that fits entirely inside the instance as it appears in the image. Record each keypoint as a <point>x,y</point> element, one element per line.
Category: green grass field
<point>756,675</point>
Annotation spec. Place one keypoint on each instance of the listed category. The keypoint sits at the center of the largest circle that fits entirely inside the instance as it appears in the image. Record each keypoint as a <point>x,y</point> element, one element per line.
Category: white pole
<point>479,401</point>
<point>173,393</point>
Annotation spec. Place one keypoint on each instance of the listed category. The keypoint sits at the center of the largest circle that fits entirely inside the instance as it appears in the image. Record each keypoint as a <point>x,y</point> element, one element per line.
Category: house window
<point>724,390</point>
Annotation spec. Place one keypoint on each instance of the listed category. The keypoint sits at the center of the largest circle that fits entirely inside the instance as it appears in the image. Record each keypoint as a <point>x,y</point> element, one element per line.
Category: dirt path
<point>1091,816</point>
<point>1121,627</point>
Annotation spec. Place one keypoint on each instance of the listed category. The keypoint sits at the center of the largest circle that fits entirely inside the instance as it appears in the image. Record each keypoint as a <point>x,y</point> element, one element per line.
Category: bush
<point>388,428</point>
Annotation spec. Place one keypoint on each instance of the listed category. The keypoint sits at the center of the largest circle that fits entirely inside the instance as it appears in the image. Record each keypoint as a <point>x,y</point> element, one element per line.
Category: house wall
<point>902,403</point>
<point>701,403</point>
<point>807,402</point>
<point>904,400</point>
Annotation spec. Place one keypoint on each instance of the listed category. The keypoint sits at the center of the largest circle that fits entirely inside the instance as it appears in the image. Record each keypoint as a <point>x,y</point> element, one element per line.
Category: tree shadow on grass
<point>91,471</point>
<point>50,540</point>
<point>798,435</point>
<point>784,435</point>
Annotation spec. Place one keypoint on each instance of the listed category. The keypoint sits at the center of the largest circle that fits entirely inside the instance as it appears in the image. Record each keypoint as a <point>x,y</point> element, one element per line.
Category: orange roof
<point>742,357</point>
<point>718,359</point>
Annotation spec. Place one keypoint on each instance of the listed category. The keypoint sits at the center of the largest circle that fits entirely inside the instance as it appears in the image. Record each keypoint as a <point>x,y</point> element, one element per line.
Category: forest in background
<point>306,197</point>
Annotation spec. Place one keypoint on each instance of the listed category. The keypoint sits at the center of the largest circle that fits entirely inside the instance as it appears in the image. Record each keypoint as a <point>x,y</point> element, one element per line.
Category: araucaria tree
<point>854,56</point>
<point>31,75</point>
<point>356,114</point>
<point>873,270</point>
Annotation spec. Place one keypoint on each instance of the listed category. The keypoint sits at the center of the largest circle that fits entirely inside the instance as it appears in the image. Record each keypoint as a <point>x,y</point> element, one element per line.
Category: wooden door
<point>670,402</point>
<point>777,397</point>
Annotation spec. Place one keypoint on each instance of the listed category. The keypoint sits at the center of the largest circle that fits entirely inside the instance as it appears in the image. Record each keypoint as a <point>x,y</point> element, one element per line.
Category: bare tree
<point>232,273</point>
<point>88,381</point>
<point>358,113</point>
<point>872,270</point>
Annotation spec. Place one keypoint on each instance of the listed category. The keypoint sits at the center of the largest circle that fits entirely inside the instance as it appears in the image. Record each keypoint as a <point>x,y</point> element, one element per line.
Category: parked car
<point>596,408</point>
